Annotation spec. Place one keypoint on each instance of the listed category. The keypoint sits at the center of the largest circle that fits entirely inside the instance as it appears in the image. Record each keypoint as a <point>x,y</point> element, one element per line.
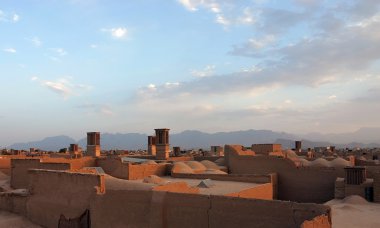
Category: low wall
<point>20,167</point>
<point>167,209</point>
<point>5,162</point>
<point>248,178</point>
<point>79,163</point>
<point>75,164</point>
<point>55,193</point>
<point>143,170</point>
<point>114,167</point>
<point>237,212</point>
<point>128,171</point>
<point>13,203</point>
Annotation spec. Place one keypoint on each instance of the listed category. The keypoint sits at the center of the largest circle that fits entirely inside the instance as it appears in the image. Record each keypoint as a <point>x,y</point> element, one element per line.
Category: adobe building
<point>92,199</point>
<point>152,145</point>
<point>177,151</point>
<point>217,150</point>
<point>93,144</point>
<point>355,182</point>
<point>162,143</point>
<point>266,149</point>
<point>74,151</point>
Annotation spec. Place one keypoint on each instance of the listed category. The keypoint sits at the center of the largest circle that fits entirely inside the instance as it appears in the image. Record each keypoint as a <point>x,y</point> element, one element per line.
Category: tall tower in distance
<point>162,143</point>
<point>93,144</point>
<point>152,145</point>
<point>298,146</point>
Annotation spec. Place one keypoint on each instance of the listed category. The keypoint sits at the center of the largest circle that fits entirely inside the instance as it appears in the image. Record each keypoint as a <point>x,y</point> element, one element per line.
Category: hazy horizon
<point>361,136</point>
<point>295,66</point>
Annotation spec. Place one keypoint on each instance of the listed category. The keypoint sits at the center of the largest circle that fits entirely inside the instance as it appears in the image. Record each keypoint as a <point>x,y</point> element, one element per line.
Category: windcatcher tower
<point>298,146</point>
<point>93,144</point>
<point>152,145</point>
<point>162,143</point>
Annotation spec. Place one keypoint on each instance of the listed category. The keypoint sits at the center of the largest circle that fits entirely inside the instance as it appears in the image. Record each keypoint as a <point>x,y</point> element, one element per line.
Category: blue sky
<point>71,66</point>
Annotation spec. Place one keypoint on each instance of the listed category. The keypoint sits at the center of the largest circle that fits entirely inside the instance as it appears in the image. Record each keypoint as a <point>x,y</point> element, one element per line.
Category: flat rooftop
<point>218,188</point>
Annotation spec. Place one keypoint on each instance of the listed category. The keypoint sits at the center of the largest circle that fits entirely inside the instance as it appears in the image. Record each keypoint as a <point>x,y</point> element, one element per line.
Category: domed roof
<point>340,162</point>
<point>290,153</point>
<point>150,162</point>
<point>181,167</point>
<point>320,162</point>
<point>354,199</point>
<point>196,166</point>
<point>210,165</point>
<point>153,179</point>
<point>304,162</point>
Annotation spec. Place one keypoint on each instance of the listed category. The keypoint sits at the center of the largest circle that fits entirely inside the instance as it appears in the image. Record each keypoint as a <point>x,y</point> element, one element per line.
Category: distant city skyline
<point>73,66</point>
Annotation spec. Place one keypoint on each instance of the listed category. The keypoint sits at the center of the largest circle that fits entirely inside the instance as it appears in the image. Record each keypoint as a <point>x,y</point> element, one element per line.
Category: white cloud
<point>248,17</point>
<point>2,15</point>
<point>9,17</point>
<point>171,84</point>
<point>190,4</point>
<point>151,87</point>
<point>118,33</point>
<point>93,46</point>
<point>220,19</point>
<point>62,86</point>
<point>10,50</point>
<point>261,43</point>
<point>59,51</point>
<point>205,72</point>
<point>34,78</point>
<point>225,12</point>
<point>55,59</point>
<point>252,69</point>
<point>102,109</point>
<point>332,97</point>
<point>15,18</point>
<point>36,41</point>
<point>106,111</point>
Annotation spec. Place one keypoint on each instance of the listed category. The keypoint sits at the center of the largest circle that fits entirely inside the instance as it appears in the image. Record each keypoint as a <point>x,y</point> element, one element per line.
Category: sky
<point>72,66</point>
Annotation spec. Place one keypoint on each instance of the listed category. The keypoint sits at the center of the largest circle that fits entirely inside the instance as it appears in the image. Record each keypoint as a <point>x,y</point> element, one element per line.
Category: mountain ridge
<point>189,139</point>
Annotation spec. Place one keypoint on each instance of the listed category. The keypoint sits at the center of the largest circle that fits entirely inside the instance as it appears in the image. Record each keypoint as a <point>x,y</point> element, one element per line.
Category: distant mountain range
<point>365,137</point>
